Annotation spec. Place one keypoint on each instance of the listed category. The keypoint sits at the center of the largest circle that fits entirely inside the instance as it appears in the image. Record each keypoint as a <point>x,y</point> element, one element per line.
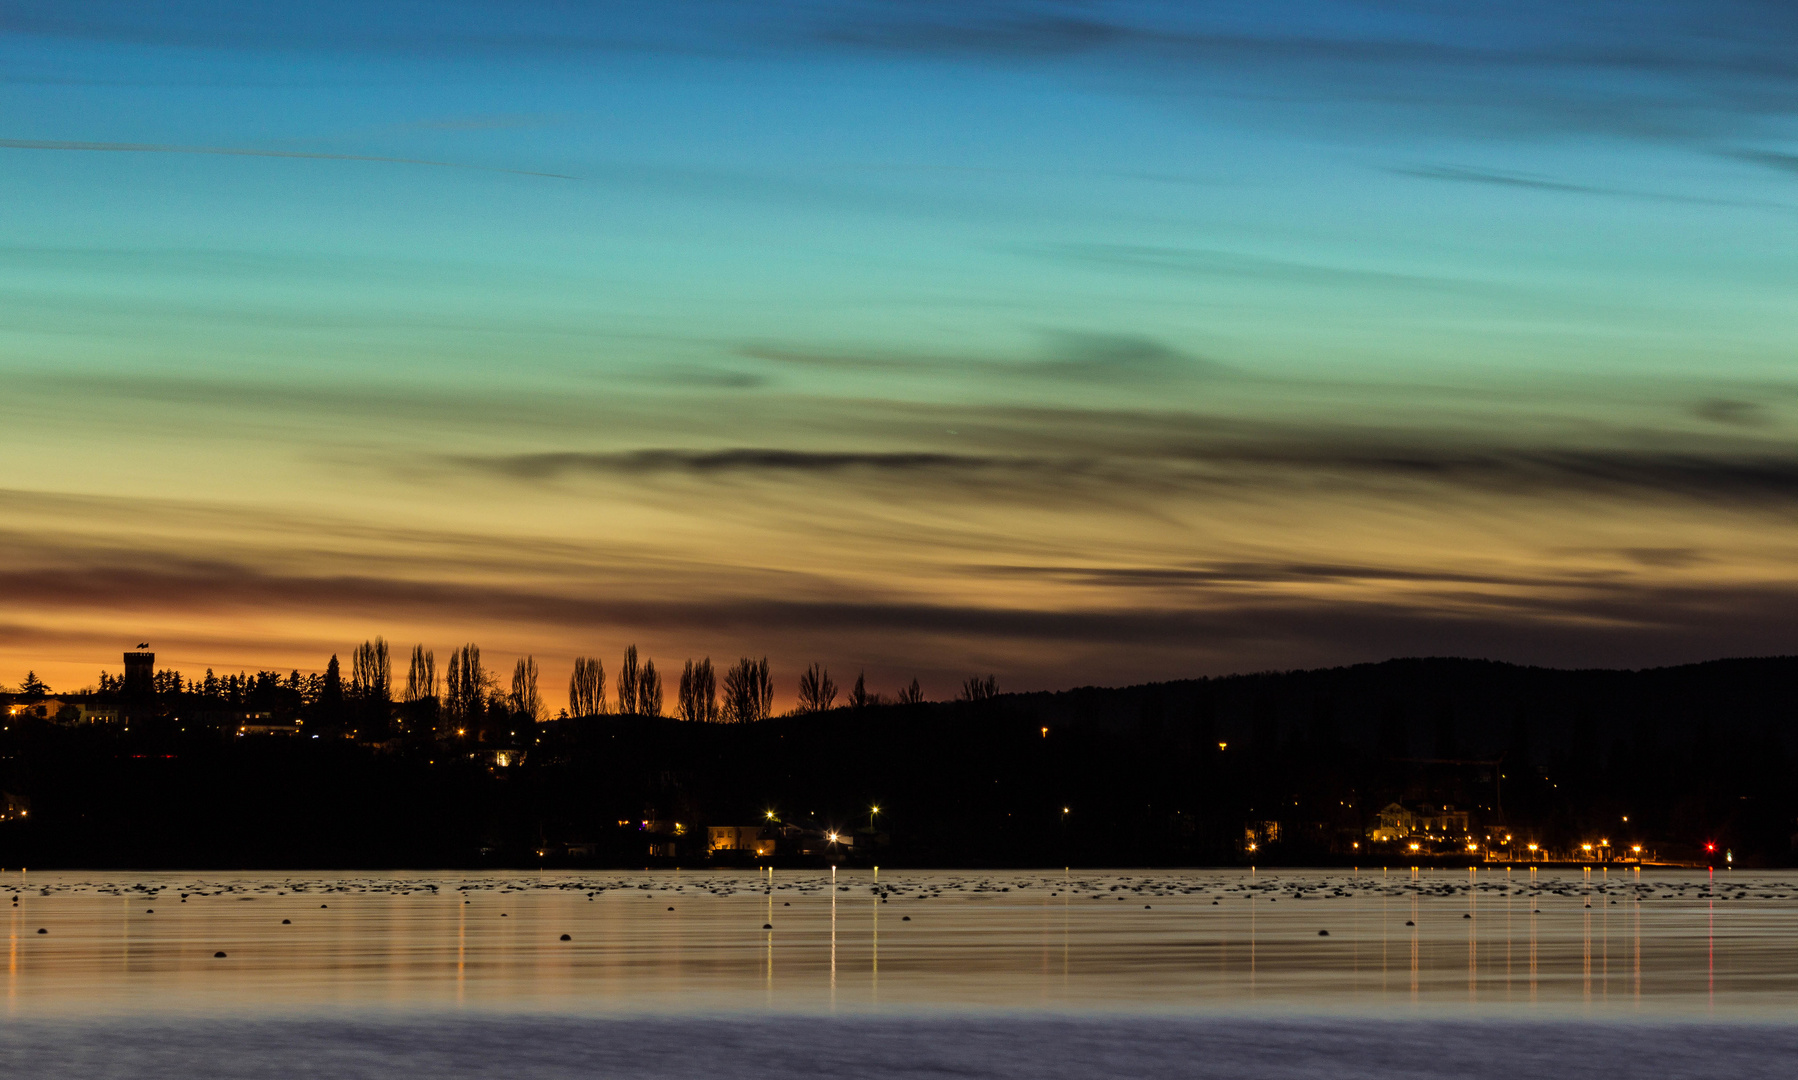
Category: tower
<point>140,673</point>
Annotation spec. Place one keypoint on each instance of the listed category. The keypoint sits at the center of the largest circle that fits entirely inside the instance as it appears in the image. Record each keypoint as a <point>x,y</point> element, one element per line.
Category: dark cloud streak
<point>1718,476</point>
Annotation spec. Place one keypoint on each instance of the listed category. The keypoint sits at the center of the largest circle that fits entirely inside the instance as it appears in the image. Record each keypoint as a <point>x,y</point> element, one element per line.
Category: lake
<point>1036,971</point>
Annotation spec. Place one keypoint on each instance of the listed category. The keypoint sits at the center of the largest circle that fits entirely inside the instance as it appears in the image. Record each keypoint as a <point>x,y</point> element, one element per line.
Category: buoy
<point>565,937</point>
<point>1323,933</point>
<point>41,930</point>
<point>218,956</point>
<point>905,918</point>
<point>324,905</point>
<point>670,909</point>
<point>1408,922</point>
<point>1467,916</point>
<point>1145,907</point>
<point>149,911</point>
<point>286,922</point>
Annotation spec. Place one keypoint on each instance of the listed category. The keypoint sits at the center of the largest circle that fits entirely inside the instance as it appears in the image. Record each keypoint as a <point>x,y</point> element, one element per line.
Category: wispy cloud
<point>1464,175</point>
<point>1189,261</point>
<point>234,151</point>
<point>1461,174</point>
<point>1675,69</point>
<point>1772,159</point>
<point>1617,622</point>
<point>1282,460</point>
<point>759,460</point>
<point>1077,356</point>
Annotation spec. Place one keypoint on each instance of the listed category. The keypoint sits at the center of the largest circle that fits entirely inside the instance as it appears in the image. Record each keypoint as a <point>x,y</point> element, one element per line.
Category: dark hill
<point>1299,763</point>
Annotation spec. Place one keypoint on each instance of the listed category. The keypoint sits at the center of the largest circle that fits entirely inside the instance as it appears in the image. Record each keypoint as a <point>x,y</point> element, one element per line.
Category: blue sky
<point>1079,342</point>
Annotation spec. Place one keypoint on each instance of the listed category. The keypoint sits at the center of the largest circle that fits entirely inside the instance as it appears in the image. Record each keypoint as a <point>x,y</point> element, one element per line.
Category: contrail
<point>232,151</point>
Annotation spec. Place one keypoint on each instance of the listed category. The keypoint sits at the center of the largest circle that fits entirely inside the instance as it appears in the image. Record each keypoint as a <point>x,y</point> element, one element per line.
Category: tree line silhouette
<point>470,698</point>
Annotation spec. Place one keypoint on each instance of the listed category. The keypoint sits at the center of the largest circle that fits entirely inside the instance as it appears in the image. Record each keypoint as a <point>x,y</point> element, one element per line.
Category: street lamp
<point>872,810</point>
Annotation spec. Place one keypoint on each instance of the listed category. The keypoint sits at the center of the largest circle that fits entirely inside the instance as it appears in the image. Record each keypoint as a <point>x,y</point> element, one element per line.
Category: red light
<point>1710,847</point>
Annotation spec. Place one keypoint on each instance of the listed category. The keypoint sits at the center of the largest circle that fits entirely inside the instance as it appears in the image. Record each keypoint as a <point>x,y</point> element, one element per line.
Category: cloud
<point>1674,69</point>
<point>1464,175</point>
<point>228,151</point>
<point>1735,413</point>
<point>1251,573</point>
<point>1496,178</point>
<point>1666,557</point>
<point>757,460</point>
<point>1725,476</point>
<point>1772,159</point>
<point>1603,623</point>
<point>1188,261</point>
<point>1077,356</point>
<point>1266,463</point>
<point>1087,357</point>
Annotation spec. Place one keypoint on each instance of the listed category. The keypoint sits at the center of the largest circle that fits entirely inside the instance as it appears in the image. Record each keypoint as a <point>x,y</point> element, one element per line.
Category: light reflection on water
<point>1598,944</point>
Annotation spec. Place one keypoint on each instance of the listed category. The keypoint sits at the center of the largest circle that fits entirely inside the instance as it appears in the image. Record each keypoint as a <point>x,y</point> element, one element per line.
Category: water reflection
<point>801,940</point>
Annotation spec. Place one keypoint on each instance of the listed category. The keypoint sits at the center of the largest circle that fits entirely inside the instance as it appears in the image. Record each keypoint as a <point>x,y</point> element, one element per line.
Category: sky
<point>1075,342</point>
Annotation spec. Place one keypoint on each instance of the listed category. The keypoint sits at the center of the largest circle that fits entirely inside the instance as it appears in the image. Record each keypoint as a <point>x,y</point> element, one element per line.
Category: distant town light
<point>1223,746</point>
<point>1416,846</point>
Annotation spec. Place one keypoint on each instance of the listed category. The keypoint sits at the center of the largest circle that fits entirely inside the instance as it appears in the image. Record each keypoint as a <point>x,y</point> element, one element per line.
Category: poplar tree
<point>698,692</point>
<point>587,688</point>
<point>371,679</point>
<point>466,684</point>
<point>649,691</point>
<point>421,675</point>
<point>524,699</point>
<point>816,692</point>
<point>975,688</point>
<point>628,673</point>
<point>748,691</point>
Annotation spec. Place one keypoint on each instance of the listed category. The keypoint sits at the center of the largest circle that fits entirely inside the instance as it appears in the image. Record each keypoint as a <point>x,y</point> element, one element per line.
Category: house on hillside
<point>1430,822</point>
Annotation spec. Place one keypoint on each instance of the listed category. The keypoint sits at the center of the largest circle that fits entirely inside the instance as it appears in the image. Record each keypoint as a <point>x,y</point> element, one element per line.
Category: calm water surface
<point>1448,944</point>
